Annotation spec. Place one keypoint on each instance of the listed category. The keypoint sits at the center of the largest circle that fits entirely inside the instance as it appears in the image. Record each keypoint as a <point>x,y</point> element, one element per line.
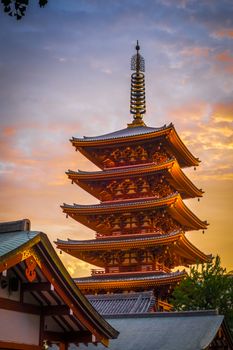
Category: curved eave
<point>107,208</point>
<point>178,242</point>
<point>169,134</point>
<point>171,169</point>
<point>173,204</point>
<point>134,241</point>
<point>180,212</point>
<point>126,282</point>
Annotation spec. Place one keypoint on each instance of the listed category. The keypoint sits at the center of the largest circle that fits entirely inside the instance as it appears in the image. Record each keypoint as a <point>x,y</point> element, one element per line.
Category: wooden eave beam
<point>13,305</point>
<point>37,287</point>
<point>51,310</point>
<point>69,337</point>
<point>48,310</point>
<point>18,346</point>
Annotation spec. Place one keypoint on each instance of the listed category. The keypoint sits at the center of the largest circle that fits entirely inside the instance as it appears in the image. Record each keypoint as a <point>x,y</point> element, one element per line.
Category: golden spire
<point>137,98</point>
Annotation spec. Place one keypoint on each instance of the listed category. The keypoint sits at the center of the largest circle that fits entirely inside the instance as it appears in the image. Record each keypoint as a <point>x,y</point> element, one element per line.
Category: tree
<point>207,286</point>
<point>17,8</point>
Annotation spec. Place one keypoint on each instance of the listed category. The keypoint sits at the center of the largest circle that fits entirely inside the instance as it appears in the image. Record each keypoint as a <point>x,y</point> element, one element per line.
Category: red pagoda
<point>141,220</point>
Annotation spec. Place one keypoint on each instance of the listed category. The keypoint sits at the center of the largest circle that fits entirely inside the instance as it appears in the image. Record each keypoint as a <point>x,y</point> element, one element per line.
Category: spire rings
<point>138,97</point>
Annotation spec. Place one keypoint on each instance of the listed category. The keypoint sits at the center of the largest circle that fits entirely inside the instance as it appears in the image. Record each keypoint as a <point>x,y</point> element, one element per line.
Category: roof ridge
<point>13,226</point>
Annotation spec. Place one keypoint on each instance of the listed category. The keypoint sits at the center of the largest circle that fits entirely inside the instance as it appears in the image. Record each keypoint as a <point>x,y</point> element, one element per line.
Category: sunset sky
<point>65,71</point>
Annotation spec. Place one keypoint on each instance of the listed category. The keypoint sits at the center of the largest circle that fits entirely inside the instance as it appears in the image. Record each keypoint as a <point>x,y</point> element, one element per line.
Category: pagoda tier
<point>127,182</point>
<point>158,253</point>
<point>162,284</point>
<point>148,215</point>
<point>136,145</point>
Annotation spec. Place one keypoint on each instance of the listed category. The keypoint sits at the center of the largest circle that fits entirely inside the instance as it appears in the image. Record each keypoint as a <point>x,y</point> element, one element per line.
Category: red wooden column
<point>63,346</point>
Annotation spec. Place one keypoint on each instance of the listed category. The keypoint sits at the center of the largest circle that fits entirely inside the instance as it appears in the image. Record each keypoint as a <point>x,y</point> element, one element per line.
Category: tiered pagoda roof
<point>165,135</point>
<point>141,219</point>
<point>172,205</point>
<point>170,170</point>
<point>129,281</point>
<point>180,246</point>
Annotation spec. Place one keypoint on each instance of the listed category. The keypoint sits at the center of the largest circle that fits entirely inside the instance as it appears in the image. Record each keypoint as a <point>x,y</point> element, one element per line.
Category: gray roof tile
<point>140,130</point>
<point>115,304</point>
<point>99,242</point>
<point>13,234</point>
<point>170,331</point>
<point>128,277</point>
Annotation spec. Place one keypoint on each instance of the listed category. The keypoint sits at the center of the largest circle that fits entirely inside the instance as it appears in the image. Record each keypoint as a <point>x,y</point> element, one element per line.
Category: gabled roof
<point>123,303</point>
<point>50,277</point>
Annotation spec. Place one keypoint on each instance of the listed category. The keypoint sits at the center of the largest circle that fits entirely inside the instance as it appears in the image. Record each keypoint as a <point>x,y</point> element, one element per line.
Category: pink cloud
<point>226,61</point>
<point>196,51</point>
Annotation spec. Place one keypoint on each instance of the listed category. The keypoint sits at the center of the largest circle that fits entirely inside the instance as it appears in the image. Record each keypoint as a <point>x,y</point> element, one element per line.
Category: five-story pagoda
<point>141,219</point>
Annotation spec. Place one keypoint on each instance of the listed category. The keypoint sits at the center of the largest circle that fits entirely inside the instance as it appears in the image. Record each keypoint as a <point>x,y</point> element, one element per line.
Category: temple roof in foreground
<point>192,330</point>
<point>50,285</point>
<point>123,303</point>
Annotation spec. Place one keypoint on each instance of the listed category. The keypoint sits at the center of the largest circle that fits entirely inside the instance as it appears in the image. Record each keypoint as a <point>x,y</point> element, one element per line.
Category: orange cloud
<point>224,33</point>
<point>223,112</point>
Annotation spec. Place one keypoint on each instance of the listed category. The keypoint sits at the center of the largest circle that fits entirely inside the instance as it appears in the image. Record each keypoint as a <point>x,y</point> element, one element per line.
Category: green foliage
<point>17,8</point>
<point>207,286</point>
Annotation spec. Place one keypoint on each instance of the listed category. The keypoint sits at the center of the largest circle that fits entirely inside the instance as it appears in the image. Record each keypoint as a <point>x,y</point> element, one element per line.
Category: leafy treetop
<point>207,286</point>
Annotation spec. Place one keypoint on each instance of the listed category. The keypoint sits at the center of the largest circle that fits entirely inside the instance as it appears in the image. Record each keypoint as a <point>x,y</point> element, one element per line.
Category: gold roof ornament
<point>137,97</point>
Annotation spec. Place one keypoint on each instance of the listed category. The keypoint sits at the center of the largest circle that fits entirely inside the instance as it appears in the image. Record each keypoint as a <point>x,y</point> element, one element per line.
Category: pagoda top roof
<point>127,132</point>
<point>139,133</point>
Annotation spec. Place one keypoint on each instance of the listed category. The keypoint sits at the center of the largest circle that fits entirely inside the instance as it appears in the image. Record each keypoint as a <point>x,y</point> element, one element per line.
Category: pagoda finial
<point>137,98</point>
